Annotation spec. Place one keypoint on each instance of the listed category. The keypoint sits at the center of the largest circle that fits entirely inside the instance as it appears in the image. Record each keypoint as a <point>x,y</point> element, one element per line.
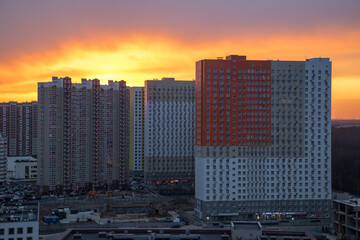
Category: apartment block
<point>263,135</point>
<point>83,134</point>
<point>3,158</point>
<point>169,130</point>
<point>137,130</point>
<point>18,121</point>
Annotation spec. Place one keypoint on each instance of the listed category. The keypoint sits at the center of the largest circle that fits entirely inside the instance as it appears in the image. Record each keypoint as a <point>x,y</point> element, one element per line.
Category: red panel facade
<point>233,102</point>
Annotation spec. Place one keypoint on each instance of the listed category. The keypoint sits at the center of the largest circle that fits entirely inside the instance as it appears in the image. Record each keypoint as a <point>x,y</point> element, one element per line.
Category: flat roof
<point>281,234</point>
<point>246,225</point>
<point>12,160</point>
<point>26,212</point>
<point>144,233</point>
<point>354,202</point>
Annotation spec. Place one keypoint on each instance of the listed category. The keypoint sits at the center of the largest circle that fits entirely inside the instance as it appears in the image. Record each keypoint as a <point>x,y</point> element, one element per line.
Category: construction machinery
<point>108,195</point>
<point>91,194</point>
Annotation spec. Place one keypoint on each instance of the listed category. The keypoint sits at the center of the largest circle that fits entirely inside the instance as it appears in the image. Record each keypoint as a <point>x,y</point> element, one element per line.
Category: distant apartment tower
<point>169,130</point>
<point>263,138</point>
<point>83,134</point>
<point>137,130</point>
<point>3,158</point>
<point>18,121</point>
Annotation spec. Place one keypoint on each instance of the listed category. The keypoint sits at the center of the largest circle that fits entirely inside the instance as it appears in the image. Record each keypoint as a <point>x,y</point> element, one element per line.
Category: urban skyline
<point>223,119</point>
<point>256,131</point>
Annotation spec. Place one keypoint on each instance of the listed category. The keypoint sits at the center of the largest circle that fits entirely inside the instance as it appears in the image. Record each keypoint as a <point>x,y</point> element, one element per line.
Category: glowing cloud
<point>139,40</point>
<point>139,58</point>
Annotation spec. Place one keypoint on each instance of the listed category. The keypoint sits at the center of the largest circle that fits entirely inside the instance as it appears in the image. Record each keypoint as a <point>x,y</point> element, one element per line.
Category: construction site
<point>140,208</point>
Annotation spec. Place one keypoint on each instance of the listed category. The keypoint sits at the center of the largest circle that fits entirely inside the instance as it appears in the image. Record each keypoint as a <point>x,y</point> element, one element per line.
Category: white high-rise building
<point>169,130</point>
<point>137,130</point>
<point>263,131</point>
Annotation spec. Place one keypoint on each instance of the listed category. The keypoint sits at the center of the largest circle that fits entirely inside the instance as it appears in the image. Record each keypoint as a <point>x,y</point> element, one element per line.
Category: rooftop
<point>354,202</point>
<point>145,234</point>
<point>237,225</point>
<point>12,160</point>
<point>25,212</point>
<point>178,234</point>
<point>278,234</point>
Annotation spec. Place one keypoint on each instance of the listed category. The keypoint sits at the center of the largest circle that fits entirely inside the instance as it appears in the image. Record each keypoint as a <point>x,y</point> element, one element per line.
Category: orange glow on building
<point>244,87</point>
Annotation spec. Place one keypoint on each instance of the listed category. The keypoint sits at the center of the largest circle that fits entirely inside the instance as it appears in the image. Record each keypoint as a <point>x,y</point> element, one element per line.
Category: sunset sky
<point>141,39</point>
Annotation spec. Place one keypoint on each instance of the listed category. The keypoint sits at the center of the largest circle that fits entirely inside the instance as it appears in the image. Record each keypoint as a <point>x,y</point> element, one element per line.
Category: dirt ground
<point>45,209</point>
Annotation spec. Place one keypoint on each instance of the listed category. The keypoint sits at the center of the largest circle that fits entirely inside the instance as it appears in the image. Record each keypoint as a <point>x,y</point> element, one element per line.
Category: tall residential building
<point>3,158</point>
<point>18,121</point>
<point>169,130</point>
<point>83,134</point>
<point>262,138</point>
<point>137,130</point>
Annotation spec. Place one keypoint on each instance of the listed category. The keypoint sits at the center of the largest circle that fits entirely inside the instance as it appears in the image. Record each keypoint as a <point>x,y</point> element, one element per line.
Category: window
<point>29,230</point>
<point>11,231</point>
<point>20,231</point>
<point>2,232</point>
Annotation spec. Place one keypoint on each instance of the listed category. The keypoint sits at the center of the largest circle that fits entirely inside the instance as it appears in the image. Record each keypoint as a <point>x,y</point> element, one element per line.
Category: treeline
<point>346,159</point>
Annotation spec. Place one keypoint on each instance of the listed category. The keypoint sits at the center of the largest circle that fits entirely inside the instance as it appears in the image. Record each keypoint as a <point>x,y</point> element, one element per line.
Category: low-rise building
<point>239,230</point>
<point>246,230</point>
<point>22,168</point>
<point>146,234</point>
<point>346,217</point>
<point>19,221</point>
<point>282,235</point>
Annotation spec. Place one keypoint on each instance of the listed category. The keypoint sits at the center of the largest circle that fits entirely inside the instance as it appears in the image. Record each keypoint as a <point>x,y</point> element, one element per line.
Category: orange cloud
<point>141,57</point>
